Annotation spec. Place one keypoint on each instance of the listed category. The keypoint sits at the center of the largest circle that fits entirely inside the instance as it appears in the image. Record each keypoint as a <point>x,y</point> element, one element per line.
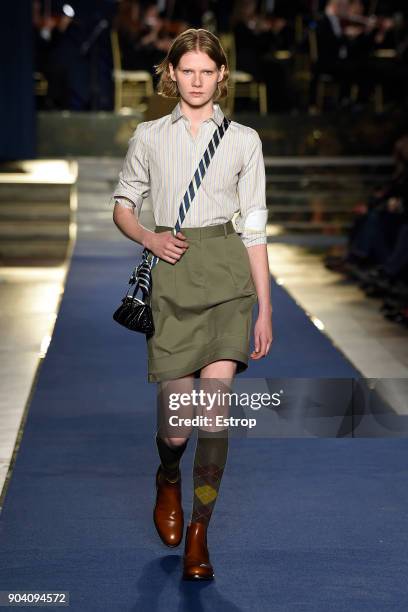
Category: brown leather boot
<point>168,513</point>
<point>196,560</point>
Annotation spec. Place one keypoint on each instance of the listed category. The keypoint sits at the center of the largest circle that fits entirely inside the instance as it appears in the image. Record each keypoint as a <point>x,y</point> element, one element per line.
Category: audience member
<point>341,55</point>
<point>48,32</point>
<point>377,253</point>
<point>256,40</point>
<point>141,38</point>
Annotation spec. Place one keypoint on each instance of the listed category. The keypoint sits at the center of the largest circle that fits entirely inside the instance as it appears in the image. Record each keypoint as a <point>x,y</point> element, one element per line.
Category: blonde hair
<point>192,40</point>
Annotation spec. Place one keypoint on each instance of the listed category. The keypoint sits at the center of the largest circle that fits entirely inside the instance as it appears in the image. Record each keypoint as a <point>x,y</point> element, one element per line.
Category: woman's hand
<point>166,246</point>
<point>262,335</point>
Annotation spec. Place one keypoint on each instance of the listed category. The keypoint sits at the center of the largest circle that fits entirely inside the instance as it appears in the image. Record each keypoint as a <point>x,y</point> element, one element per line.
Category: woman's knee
<point>175,441</point>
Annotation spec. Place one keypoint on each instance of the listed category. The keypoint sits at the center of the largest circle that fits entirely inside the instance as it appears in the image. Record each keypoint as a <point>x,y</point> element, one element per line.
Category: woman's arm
<point>254,215</point>
<point>258,259</point>
<point>126,221</point>
<point>164,244</point>
<point>133,185</point>
<point>132,188</point>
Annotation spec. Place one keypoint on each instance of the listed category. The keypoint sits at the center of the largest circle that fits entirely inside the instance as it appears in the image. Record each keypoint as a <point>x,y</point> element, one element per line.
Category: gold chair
<point>241,84</point>
<point>132,87</point>
<point>40,84</point>
<point>299,29</point>
<point>385,55</point>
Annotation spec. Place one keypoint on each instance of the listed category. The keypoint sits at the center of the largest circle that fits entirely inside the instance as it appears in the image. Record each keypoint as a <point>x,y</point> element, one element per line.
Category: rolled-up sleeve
<point>251,189</point>
<point>134,180</point>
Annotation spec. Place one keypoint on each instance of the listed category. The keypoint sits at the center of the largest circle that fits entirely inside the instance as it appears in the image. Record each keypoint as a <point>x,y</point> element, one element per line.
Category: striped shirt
<point>161,160</point>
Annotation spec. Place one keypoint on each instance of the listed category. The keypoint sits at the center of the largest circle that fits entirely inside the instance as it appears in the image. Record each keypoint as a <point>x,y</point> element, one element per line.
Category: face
<point>341,7</point>
<point>250,8</point>
<point>197,77</point>
<point>356,8</point>
<point>151,16</point>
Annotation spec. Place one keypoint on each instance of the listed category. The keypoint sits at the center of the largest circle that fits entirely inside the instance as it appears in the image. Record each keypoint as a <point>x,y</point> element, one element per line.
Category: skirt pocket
<point>162,284</point>
<point>239,265</point>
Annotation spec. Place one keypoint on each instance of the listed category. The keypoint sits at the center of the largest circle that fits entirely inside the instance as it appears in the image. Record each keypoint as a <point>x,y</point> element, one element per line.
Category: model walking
<point>209,274</point>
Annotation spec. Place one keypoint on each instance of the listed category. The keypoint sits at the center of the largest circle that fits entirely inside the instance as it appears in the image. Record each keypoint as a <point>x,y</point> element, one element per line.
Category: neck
<point>197,114</point>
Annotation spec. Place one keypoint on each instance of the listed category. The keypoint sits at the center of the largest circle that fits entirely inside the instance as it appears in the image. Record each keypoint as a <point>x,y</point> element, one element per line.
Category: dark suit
<point>340,59</point>
<point>254,55</point>
<point>329,46</point>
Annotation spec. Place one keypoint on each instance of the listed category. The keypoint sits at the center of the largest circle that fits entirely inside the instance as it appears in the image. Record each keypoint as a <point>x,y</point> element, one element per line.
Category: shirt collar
<point>217,116</point>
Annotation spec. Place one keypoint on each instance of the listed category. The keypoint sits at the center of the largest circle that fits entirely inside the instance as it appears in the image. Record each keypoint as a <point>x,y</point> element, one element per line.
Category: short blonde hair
<point>192,40</point>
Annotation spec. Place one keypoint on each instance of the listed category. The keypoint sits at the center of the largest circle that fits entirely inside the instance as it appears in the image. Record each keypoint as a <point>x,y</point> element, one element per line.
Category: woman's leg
<point>171,440</point>
<point>209,462</point>
<point>171,443</point>
<point>212,440</point>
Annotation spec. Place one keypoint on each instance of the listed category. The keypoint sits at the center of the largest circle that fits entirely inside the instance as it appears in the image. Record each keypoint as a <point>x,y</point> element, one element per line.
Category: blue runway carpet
<point>308,524</point>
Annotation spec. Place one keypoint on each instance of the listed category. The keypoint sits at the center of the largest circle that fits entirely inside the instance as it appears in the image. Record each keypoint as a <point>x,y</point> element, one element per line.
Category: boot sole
<point>196,577</point>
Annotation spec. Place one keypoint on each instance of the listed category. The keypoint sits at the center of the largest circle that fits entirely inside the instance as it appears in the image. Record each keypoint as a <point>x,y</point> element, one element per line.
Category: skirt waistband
<point>202,232</point>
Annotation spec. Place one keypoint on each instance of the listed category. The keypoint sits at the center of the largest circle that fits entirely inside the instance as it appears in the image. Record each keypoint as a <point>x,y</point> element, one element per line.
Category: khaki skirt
<point>202,305</point>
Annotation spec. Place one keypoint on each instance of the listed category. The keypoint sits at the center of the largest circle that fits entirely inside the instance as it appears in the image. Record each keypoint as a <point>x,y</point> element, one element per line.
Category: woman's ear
<point>171,72</point>
<point>222,70</point>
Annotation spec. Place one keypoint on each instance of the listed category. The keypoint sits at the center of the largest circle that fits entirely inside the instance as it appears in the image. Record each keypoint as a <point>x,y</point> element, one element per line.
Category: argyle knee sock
<point>170,458</point>
<point>209,462</point>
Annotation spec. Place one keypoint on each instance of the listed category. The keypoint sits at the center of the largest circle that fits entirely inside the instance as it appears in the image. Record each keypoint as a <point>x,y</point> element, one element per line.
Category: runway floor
<point>307,523</point>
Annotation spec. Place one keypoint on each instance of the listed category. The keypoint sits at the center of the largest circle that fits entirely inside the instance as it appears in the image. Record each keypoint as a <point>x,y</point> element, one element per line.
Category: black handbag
<point>136,313</point>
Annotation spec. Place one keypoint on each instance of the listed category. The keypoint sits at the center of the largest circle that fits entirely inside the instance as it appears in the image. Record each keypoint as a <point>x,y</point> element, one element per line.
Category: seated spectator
<point>280,17</point>
<point>48,33</point>
<point>346,62</point>
<point>256,39</point>
<point>346,40</point>
<point>141,38</point>
<point>331,39</point>
<point>373,234</point>
<point>361,32</point>
<point>377,253</point>
<point>75,54</point>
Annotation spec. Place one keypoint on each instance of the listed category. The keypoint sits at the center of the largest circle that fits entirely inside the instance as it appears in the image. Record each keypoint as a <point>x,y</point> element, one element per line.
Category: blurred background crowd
<point>376,256</point>
<point>306,54</point>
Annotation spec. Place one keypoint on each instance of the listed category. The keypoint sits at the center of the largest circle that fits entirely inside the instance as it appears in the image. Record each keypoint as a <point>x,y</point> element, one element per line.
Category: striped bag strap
<point>197,180</point>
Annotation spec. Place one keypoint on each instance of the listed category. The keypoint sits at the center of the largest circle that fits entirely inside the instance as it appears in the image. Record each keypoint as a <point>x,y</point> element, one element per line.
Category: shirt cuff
<point>124,201</point>
<point>253,238</point>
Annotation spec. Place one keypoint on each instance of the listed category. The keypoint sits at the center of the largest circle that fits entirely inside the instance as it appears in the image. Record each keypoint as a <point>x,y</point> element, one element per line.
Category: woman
<point>207,278</point>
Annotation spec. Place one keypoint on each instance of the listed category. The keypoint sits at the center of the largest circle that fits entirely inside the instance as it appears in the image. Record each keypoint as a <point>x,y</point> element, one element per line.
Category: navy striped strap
<point>191,191</point>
